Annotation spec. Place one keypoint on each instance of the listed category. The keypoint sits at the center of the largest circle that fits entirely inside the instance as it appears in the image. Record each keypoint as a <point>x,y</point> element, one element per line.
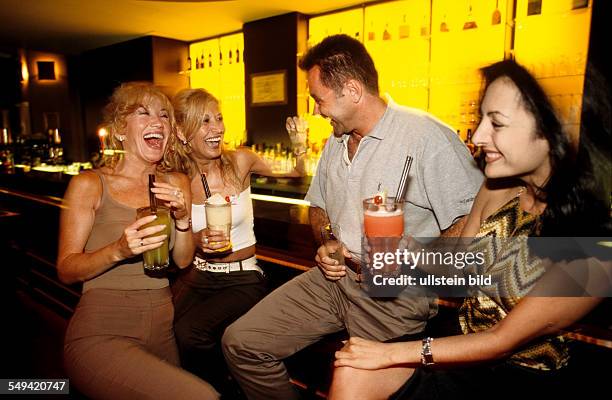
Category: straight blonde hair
<point>189,107</point>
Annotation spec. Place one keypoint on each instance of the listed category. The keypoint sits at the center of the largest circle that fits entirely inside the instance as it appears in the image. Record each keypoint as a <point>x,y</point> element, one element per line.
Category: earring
<point>185,142</point>
<point>121,138</point>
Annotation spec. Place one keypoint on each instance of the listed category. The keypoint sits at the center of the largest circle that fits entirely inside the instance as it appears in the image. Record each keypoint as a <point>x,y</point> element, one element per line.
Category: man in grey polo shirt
<point>366,153</point>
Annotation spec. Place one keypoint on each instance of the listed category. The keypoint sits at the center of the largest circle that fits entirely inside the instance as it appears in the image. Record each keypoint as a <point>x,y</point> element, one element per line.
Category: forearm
<point>318,219</point>
<point>80,267</point>
<point>460,349</point>
<point>184,249</point>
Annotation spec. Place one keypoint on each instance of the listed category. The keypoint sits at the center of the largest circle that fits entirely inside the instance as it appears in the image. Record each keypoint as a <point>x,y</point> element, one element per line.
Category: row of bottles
<point>282,160</point>
<point>202,62</point>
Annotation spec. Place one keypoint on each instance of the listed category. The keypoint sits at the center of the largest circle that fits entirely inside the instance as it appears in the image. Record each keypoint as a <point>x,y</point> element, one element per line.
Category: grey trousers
<point>120,345</point>
<point>300,313</point>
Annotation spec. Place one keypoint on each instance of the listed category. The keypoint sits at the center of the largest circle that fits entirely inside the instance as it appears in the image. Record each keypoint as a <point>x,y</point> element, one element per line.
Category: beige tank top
<point>111,219</point>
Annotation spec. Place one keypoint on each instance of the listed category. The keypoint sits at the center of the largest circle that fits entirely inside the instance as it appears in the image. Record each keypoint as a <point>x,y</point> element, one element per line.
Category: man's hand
<point>332,270</point>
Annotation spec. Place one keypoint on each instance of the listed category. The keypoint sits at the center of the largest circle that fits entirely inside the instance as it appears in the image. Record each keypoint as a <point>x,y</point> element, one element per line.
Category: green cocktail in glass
<point>159,258</point>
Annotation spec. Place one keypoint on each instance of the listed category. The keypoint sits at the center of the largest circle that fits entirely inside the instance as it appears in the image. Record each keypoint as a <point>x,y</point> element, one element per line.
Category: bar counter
<point>30,204</point>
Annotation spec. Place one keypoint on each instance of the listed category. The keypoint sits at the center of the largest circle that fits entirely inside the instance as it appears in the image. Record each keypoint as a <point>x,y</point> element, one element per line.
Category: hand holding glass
<point>219,218</point>
<point>330,236</point>
<point>297,127</point>
<point>159,258</point>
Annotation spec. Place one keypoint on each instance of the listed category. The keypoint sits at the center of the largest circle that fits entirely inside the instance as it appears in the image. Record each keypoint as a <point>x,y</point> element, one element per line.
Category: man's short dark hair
<point>340,58</point>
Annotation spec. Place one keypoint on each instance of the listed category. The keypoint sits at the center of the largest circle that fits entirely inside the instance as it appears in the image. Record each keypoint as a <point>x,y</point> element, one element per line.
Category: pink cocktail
<point>383,218</point>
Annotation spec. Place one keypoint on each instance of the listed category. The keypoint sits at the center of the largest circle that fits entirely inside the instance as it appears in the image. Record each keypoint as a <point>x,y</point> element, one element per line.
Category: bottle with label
<point>237,55</point>
<point>230,57</point>
<point>209,60</point>
<point>197,65</point>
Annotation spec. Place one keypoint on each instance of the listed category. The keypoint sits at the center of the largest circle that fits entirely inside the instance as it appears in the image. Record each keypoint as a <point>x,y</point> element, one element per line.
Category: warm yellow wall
<point>428,54</point>
<point>554,47</point>
<point>224,78</point>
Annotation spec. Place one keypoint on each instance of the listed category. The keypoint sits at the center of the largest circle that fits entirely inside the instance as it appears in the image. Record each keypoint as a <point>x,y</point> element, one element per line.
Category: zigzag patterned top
<point>503,239</point>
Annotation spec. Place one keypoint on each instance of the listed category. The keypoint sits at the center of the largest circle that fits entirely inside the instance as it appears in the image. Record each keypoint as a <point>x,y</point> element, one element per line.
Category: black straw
<point>205,184</point>
<point>152,201</point>
<point>401,189</point>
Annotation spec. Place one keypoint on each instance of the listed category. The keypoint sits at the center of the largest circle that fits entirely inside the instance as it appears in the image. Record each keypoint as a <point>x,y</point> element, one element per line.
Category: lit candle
<point>102,133</point>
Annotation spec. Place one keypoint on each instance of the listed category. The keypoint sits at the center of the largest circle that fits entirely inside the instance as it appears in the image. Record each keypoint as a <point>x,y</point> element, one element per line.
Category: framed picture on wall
<point>269,88</point>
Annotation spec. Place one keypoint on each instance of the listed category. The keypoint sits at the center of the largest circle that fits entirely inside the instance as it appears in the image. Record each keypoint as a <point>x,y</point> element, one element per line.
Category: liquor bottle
<point>425,27</point>
<point>371,33</point>
<point>237,55</point>
<point>220,58</point>
<point>496,17</point>
<point>230,58</point>
<point>209,60</point>
<point>404,29</point>
<point>386,35</point>
<point>189,63</point>
<point>197,66</point>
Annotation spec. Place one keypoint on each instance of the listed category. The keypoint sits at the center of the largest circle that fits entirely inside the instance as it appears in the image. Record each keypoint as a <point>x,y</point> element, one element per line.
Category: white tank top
<point>242,234</point>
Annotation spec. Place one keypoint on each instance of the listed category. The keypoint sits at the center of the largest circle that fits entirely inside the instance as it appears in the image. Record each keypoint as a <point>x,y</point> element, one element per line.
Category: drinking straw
<point>152,201</point>
<point>205,184</point>
<point>401,189</point>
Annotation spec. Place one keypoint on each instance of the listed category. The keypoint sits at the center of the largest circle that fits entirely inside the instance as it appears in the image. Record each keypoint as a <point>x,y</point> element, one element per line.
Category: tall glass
<point>219,218</point>
<point>384,219</point>
<point>159,258</point>
<point>383,222</point>
<point>330,236</point>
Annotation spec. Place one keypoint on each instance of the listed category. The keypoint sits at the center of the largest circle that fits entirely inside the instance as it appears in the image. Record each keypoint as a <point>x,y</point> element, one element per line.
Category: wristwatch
<point>426,356</point>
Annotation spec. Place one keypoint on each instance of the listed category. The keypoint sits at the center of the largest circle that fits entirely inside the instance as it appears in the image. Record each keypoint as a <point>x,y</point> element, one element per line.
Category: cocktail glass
<point>159,258</point>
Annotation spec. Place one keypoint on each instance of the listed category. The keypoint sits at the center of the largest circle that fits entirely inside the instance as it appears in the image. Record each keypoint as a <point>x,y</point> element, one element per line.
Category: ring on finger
<point>141,242</point>
<point>205,239</point>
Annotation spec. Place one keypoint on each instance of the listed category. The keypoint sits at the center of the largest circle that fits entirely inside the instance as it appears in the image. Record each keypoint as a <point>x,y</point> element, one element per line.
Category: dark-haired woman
<point>511,343</point>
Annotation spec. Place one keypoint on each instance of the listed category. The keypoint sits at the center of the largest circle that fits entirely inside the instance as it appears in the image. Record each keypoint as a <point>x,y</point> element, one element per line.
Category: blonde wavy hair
<point>123,102</point>
<point>189,108</point>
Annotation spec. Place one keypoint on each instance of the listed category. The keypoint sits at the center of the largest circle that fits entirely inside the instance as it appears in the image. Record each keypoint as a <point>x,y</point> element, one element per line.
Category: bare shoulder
<point>244,156</point>
<point>244,160</point>
<point>85,181</point>
<point>84,189</point>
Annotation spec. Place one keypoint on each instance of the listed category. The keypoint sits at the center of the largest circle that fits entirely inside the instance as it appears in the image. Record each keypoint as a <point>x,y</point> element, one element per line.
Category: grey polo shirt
<point>442,184</point>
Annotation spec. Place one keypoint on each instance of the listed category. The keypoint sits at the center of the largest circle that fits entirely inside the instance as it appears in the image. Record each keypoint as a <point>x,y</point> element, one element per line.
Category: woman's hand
<point>366,354</point>
<point>297,128</point>
<point>211,241</point>
<point>174,198</point>
<point>136,241</point>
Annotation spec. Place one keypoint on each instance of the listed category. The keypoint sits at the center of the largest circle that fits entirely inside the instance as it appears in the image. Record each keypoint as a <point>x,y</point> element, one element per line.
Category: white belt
<point>250,264</point>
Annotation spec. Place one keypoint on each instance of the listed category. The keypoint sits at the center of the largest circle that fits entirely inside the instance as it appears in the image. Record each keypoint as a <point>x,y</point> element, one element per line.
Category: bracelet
<point>426,356</point>
<point>300,153</point>
<point>185,229</point>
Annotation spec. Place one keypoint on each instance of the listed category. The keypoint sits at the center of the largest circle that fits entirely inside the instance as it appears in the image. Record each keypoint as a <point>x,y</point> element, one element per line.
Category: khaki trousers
<point>120,345</point>
<point>300,313</point>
